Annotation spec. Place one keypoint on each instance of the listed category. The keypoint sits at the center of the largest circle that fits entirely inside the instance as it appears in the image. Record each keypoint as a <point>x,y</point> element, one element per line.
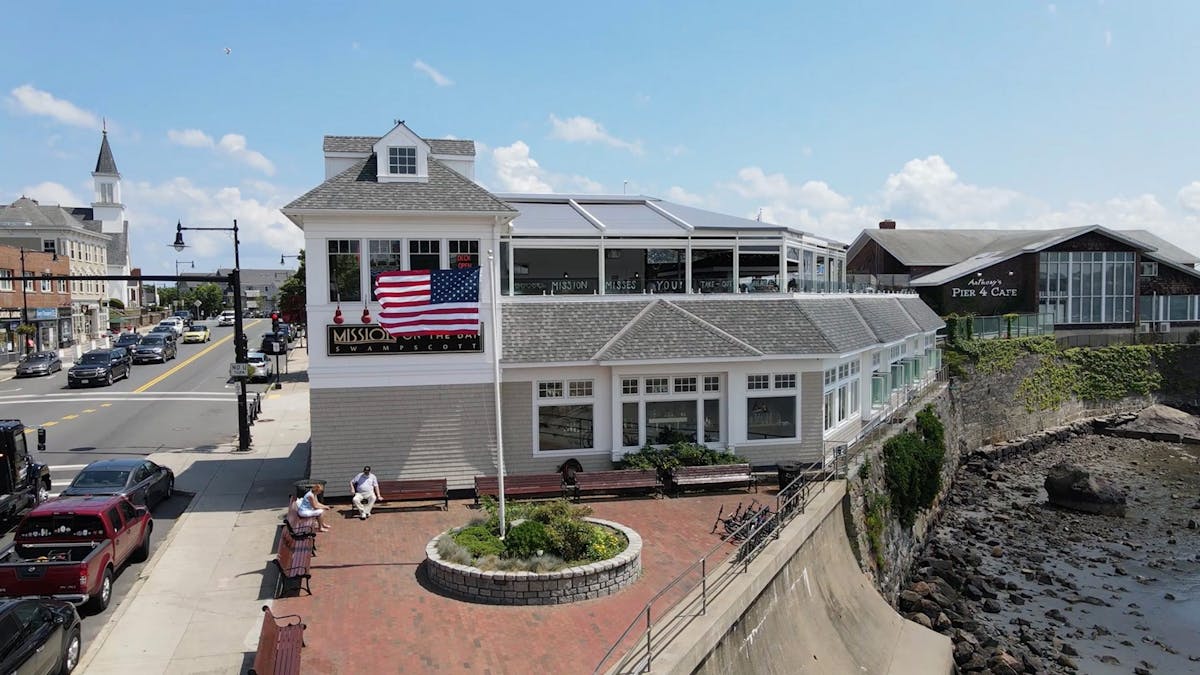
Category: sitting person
<point>311,506</point>
<point>366,492</point>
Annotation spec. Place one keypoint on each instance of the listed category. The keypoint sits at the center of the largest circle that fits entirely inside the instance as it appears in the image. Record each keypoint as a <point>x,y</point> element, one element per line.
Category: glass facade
<point>1086,286</point>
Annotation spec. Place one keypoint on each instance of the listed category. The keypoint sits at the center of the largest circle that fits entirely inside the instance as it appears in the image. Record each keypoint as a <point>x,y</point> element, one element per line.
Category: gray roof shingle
<point>925,317</point>
<point>563,331</point>
<point>837,320</point>
<point>357,188</point>
<point>886,318</point>
<point>364,144</point>
<point>665,331</point>
<point>771,326</point>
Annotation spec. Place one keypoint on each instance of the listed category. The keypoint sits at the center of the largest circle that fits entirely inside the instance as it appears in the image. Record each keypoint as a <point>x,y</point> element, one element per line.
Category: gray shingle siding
<point>358,188</point>
<point>519,458</point>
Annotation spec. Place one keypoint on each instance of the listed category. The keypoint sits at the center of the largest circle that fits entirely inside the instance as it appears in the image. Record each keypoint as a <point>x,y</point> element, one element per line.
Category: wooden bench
<point>294,558</point>
<point>278,645</point>
<point>719,475</point>
<point>621,480</point>
<point>300,528</point>
<point>533,484</point>
<point>417,489</point>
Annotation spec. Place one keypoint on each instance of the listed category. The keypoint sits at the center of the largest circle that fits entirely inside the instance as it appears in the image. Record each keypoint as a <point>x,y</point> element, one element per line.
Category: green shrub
<point>479,541</point>
<point>913,466</point>
<point>677,454</point>
<point>527,539</point>
<point>570,539</point>
<point>605,544</point>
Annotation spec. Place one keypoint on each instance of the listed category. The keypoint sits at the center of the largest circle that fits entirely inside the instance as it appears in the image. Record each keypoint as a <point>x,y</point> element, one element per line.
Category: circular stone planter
<point>585,582</point>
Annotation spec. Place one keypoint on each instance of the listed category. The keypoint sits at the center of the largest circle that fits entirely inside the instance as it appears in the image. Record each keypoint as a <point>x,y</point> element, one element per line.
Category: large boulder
<point>1073,487</point>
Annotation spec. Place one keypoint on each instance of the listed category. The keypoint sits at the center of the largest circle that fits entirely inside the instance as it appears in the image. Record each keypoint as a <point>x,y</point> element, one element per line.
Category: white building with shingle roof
<point>618,322</point>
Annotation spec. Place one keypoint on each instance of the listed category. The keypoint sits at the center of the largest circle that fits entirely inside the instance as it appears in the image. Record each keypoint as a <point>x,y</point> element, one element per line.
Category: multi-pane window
<point>402,161</point>
<point>685,384</point>
<point>464,253</point>
<point>384,255</point>
<point>841,397</point>
<point>29,286</point>
<point>656,385</point>
<point>47,284</point>
<point>1086,286</point>
<point>345,283</point>
<point>712,383</point>
<point>754,382</point>
<point>567,423</point>
<point>629,386</point>
<point>6,283</point>
<point>785,381</point>
<point>424,254</point>
<point>49,246</point>
<point>671,409</point>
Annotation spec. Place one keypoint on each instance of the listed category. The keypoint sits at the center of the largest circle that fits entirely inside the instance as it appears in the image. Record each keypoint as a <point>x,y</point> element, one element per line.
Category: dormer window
<point>402,161</point>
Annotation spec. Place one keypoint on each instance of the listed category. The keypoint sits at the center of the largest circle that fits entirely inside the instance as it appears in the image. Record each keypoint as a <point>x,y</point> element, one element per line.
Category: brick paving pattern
<point>372,612</point>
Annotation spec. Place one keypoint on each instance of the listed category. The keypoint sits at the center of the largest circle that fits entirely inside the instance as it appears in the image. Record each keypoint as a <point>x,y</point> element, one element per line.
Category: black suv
<point>38,636</point>
<point>154,347</point>
<point>127,340</point>
<point>99,366</point>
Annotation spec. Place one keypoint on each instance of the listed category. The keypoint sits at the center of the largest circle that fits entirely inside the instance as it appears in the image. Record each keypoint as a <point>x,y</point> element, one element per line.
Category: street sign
<point>238,370</point>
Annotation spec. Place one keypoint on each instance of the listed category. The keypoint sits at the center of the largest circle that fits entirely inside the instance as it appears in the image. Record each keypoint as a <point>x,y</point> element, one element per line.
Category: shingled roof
<point>659,328</point>
<point>105,162</point>
<point>365,144</point>
<point>358,188</point>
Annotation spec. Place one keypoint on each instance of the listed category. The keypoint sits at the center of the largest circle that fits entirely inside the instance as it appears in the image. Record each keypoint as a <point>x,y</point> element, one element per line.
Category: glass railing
<point>1020,325</point>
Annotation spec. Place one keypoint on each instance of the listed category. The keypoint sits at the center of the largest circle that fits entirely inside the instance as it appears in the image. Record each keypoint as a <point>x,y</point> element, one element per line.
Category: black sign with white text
<point>372,339</point>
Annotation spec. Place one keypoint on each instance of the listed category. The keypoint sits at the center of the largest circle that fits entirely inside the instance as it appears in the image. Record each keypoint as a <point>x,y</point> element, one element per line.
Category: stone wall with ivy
<point>1003,389</point>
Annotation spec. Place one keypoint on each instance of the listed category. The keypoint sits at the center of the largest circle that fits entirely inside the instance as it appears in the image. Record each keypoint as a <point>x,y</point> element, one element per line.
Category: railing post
<point>703,585</point>
<point>649,651</point>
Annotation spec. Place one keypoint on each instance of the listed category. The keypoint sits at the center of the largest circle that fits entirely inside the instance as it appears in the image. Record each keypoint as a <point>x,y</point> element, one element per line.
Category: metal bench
<point>294,558</point>
<point>717,475</point>
<point>279,645</point>
<point>417,489</point>
<point>533,484</point>
<point>622,480</point>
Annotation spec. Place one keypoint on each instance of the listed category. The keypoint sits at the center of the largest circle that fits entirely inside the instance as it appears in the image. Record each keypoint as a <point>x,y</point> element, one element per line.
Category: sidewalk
<point>196,608</point>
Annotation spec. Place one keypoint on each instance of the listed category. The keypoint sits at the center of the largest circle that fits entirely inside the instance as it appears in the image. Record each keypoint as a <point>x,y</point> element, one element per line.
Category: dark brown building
<point>1084,278</point>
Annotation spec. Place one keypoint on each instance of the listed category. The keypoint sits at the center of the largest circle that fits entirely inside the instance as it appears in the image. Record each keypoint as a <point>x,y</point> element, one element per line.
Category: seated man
<point>366,492</point>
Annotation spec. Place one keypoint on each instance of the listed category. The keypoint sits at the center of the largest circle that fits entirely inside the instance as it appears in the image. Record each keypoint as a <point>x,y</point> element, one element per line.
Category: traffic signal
<point>274,322</point>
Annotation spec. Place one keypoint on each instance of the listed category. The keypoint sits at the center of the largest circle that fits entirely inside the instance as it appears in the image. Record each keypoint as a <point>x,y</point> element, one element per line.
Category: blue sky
<point>826,116</point>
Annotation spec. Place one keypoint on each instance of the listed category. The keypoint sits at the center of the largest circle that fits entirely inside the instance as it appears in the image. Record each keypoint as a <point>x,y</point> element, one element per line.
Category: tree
<point>210,296</point>
<point>293,295</point>
<point>167,296</point>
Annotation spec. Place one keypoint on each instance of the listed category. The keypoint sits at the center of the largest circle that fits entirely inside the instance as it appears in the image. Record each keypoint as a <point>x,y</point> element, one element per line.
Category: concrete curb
<point>92,650</point>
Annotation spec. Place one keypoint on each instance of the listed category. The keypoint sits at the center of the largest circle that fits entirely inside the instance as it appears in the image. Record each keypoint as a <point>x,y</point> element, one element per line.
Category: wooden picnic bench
<point>620,480</point>
<point>300,528</point>
<point>278,645</point>
<point>293,558</point>
<point>533,484</point>
<point>416,489</point>
<point>718,475</point>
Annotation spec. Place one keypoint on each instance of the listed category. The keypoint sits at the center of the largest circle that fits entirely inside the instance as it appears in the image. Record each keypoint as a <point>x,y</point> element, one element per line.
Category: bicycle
<point>740,523</point>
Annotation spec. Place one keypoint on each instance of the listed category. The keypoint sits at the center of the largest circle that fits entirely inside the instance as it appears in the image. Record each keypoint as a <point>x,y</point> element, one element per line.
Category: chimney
<point>887,224</point>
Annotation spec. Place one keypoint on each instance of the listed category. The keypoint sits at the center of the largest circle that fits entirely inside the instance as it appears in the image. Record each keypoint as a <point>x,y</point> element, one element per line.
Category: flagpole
<point>495,351</point>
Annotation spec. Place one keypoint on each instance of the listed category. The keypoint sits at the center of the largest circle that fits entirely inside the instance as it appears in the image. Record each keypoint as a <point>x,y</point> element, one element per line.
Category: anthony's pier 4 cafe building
<point>612,322</point>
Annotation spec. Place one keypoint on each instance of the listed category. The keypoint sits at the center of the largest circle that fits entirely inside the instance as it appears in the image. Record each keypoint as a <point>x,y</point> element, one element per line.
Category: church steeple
<point>104,162</point>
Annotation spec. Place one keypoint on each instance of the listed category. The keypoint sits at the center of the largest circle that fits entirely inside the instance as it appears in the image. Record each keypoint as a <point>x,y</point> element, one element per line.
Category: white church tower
<point>110,211</point>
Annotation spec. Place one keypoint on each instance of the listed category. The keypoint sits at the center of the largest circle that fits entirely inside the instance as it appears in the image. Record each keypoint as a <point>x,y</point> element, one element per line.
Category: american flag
<point>429,302</point>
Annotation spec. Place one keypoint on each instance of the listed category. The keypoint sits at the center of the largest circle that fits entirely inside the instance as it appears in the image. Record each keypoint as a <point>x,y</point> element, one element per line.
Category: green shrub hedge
<point>677,454</point>
<point>913,466</point>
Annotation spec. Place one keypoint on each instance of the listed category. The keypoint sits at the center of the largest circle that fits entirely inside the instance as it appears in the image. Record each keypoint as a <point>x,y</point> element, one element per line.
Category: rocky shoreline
<point>1021,586</point>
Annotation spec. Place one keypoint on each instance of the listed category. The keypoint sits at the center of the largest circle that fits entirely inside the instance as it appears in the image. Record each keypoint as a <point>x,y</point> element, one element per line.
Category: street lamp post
<point>24,302</point>
<point>239,335</point>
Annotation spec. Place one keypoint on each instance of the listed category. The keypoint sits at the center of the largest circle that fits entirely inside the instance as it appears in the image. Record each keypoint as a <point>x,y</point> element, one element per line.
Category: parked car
<point>39,363</point>
<point>288,330</point>
<point>262,366</point>
<point>70,549</point>
<point>155,347</point>
<point>164,329</point>
<point>127,340</point>
<point>144,482</point>
<point>39,636</point>
<point>99,366</point>
<point>227,318</point>
<point>197,333</point>
<point>185,316</point>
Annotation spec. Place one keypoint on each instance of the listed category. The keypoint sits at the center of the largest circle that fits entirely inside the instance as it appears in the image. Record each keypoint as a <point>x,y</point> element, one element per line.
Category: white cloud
<point>754,183</point>
<point>49,192</point>
<point>438,78</point>
<point>231,145</point>
<point>32,101</point>
<point>581,129</point>
<point>192,138</point>
<point>517,171</point>
<point>930,188</point>
<point>1108,38</point>
<point>682,196</point>
<point>1189,196</point>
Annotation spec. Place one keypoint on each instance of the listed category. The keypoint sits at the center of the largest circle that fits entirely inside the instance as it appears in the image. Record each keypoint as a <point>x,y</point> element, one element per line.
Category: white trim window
<point>665,409</point>
<point>564,416</point>
<point>6,283</point>
<point>345,274</point>
<point>841,393</point>
<point>771,410</point>
<point>47,284</point>
<point>402,161</point>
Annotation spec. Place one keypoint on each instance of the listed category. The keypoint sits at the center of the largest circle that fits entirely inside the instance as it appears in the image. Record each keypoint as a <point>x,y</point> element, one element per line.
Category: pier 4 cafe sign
<point>979,287</point>
<point>352,340</point>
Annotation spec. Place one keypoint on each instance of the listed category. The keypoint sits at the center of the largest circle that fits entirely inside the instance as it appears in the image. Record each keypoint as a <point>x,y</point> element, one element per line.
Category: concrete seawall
<point>804,606</point>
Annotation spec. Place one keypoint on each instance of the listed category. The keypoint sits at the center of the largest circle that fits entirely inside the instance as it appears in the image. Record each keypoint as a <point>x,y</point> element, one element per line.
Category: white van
<point>226,318</point>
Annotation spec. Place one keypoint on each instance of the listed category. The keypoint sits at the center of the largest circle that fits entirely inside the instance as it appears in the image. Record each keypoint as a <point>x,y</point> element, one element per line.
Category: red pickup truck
<point>71,547</point>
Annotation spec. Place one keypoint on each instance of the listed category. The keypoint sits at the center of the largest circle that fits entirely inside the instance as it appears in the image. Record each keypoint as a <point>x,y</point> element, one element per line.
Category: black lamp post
<point>239,335</point>
<point>284,256</point>
<point>24,301</point>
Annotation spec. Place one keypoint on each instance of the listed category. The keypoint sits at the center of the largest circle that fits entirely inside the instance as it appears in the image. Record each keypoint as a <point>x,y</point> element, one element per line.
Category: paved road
<point>185,404</point>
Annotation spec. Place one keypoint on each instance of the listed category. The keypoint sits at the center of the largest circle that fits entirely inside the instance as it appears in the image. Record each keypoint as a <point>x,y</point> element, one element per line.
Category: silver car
<point>39,363</point>
<point>262,365</point>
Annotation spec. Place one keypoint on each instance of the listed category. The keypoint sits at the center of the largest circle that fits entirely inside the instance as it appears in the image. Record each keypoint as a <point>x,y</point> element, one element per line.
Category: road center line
<point>179,367</point>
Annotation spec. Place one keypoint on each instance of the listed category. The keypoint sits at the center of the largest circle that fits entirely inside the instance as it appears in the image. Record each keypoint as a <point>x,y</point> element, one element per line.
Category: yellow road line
<point>105,405</point>
<point>193,357</point>
<point>69,417</point>
<point>49,424</point>
<point>89,410</point>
